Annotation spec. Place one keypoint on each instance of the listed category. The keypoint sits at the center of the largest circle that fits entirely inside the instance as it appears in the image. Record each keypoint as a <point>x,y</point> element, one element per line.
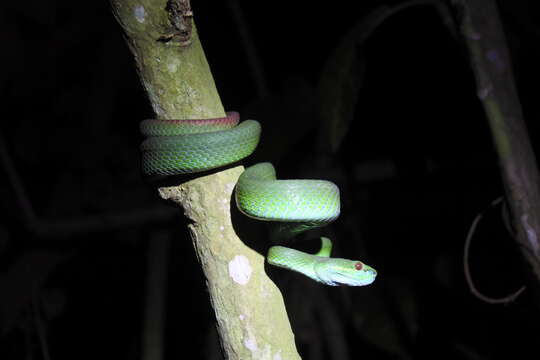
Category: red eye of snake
<point>358,266</point>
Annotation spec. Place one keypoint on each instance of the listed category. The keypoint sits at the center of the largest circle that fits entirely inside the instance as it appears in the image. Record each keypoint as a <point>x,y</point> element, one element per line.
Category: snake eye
<point>358,266</point>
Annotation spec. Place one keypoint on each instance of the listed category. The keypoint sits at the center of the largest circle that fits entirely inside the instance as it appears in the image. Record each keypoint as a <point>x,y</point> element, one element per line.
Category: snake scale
<point>189,146</point>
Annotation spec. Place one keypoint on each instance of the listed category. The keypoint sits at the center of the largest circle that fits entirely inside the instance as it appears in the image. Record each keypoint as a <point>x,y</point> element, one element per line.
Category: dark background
<point>415,168</point>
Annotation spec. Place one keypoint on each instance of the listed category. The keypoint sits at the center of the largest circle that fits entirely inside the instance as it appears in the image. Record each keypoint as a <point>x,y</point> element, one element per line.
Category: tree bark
<point>483,33</point>
<point>251,317</point>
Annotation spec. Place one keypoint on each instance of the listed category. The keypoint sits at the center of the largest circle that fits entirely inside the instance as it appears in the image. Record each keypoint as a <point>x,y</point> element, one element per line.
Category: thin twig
<point>468,277</point>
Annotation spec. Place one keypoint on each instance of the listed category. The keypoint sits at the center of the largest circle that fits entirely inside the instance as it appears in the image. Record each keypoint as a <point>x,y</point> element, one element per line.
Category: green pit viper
<point>188,146</point>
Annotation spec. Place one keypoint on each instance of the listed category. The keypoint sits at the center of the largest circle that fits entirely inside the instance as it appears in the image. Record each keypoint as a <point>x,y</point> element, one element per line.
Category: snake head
<point>335,271</point>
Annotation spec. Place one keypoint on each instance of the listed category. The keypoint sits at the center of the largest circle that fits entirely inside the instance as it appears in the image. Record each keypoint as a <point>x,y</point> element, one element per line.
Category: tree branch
<point>482,31</point>
<point>250,313</point>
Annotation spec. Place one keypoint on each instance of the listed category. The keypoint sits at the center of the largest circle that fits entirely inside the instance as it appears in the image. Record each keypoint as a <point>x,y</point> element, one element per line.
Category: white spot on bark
<point>140,13</point>
<point>224,204</point>
<point>242,317</point>
<point>172,67</point>
<point>251,343</point>
<point>221,228</point>
<point>267,352</point>
<point>190,92</point>
<point>531,234</point>
<point>240,270</point>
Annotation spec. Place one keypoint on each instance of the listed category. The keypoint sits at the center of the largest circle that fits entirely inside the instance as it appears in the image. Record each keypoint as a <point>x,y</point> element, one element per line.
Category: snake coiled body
<point>189,146</point>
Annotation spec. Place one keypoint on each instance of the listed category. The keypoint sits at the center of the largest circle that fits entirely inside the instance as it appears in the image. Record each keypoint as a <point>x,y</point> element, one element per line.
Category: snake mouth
<point>350,281</point>
<point>330,273</point>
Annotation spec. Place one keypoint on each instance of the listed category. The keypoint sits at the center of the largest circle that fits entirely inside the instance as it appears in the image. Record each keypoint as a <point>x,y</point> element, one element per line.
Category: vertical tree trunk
<point>483,34</point>
<point>251,317</point>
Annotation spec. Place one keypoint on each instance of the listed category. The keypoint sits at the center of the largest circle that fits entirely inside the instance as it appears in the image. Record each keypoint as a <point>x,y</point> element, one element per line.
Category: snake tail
<point>326,247</point>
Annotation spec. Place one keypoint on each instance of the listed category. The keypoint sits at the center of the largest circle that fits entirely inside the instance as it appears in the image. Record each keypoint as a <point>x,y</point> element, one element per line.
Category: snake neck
<point>294,260</point>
